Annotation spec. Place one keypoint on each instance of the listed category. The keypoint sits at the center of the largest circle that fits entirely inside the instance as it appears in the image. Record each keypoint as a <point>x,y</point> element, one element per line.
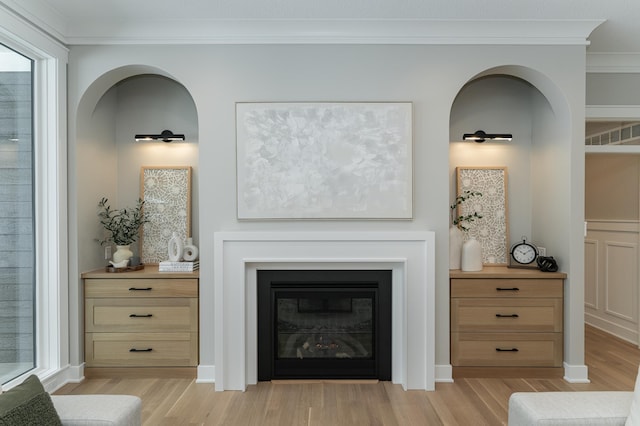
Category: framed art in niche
<point>166,192</point>
<point>492,230</point>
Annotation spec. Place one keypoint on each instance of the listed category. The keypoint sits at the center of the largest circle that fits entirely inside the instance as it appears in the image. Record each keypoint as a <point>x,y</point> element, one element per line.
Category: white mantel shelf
<point>409,255</point>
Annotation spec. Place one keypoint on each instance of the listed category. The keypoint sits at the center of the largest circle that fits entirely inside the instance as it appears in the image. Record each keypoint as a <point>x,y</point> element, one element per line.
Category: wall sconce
<point>165,136</point>
<point>481,136</point>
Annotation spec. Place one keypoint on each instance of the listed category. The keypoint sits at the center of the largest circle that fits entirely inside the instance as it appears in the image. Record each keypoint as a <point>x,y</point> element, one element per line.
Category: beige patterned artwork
<point>166,192</point>
<point>491,230</point>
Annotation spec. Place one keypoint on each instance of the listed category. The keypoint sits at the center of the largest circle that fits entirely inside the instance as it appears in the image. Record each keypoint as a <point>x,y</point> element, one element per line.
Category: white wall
<point>430,76</point>
<point>611,277</point>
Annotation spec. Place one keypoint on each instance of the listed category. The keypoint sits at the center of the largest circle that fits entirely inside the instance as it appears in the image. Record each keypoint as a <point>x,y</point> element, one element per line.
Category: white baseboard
<point>206,374</point>
<point>444,373</point>
<point>576,373</point>
<point>608,326</point>
<point>59,378</point>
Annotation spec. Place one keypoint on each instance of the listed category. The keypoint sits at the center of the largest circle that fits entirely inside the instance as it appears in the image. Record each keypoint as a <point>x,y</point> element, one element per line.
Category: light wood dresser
<point>507,322</point>
<point>141,319</point>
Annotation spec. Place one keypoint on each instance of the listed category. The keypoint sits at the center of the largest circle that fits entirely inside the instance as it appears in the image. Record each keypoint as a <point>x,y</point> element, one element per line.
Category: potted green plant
<point>460,223</point>
<point>123,226</point>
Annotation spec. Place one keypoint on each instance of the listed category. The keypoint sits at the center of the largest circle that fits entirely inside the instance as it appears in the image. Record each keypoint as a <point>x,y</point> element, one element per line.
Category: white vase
<point>455,247</point>
<point>471,259</point>
<point>175,248</point>
<point>122,253</point>
<point>190,252</point>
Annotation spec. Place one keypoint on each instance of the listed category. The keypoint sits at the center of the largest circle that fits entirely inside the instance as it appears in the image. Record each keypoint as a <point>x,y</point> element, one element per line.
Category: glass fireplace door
<point>325,325</point>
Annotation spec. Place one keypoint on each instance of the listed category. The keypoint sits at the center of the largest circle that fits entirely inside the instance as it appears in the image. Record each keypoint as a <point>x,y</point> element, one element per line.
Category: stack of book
<point>168,266</point>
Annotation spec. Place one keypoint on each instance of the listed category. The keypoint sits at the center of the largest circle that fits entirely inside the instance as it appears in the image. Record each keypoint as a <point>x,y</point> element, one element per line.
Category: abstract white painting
<point>345,160</point>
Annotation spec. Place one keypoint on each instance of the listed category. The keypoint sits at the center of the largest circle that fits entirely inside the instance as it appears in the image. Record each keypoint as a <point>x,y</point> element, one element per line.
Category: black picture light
<point>165,136</point>
<point>481,136</point>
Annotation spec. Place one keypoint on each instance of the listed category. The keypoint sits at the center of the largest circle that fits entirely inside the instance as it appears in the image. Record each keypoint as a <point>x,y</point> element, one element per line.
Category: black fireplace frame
<point>374,283</point>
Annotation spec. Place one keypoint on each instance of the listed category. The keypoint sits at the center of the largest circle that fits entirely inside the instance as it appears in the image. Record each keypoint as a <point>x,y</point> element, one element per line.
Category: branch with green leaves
<point>124,224</point>
<point>462,221</point>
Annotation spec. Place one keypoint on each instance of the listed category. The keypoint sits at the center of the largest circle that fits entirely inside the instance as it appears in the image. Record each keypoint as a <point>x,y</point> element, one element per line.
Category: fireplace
<point>229,349</point>
<point>329,324</point>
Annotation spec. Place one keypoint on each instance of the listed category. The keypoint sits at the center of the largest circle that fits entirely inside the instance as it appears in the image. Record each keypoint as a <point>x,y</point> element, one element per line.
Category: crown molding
<point>612,112</point>
<point>336,31</point>
<point>619,62</point>
<point>47,20</point>
<point>17,32</point>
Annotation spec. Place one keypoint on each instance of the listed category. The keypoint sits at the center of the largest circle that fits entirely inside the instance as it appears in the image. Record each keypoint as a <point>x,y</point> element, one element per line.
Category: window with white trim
<point>17,236</point>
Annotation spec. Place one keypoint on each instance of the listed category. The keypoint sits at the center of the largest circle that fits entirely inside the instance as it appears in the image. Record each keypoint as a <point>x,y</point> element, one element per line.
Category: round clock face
<point>524,253</point>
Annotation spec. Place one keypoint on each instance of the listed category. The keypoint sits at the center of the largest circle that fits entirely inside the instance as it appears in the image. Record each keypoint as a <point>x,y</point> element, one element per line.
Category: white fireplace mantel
<point>238,256</point>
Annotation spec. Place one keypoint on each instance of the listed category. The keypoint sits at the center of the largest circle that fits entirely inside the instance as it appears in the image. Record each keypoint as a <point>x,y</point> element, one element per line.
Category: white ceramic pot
<point>190,252</point>
<point>471,259</point>
<point>455,247</point>
<point>122,253</point>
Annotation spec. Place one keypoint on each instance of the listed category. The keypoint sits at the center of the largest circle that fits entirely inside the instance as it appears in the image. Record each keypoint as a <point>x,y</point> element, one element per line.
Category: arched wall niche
<point>524,102</point>
<point>116,106</point>
<point>539,161</point>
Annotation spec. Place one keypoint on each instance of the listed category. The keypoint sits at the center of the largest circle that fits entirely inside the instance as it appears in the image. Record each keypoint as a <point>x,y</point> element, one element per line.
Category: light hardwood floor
<point>613,365</point>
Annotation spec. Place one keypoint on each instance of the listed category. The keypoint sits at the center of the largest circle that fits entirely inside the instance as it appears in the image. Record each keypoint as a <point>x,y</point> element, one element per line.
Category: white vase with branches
<point>123,226</point>
<point>460,223</point>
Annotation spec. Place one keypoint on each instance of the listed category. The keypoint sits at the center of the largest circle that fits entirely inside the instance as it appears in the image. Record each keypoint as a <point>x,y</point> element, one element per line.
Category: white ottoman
<point>569,408</point>
<point>98,410</point>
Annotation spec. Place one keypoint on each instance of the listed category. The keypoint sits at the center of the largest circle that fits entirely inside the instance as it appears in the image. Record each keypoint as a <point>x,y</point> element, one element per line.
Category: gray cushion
<point>634,411</point>
<point>98,410</point>
<point>28,404</point>
<point>569,408</point>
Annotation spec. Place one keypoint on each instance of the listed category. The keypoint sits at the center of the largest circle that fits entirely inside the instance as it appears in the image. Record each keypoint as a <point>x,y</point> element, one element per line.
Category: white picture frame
<point>324,160</point>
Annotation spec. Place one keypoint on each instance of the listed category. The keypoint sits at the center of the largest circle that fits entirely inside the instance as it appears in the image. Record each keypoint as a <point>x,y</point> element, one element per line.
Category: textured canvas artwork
<point>491,231</point>
<point>324,160</point>
<point>166,192</point>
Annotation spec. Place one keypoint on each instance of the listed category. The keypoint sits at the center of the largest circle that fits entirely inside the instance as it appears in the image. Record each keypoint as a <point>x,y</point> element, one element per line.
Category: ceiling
<point>73,21</point>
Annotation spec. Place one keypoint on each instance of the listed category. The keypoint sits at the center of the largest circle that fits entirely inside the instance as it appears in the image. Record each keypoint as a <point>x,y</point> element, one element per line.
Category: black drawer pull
<point>140,289</point>
<point>140,316</point>
<point>507,289</point>
<point>140,350</point>
<point>507,316</point>
<point>507,350</point>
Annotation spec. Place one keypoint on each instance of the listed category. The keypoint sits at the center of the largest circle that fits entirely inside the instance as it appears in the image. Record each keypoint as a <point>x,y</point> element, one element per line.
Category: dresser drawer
<point>141,287</point>
<point>141,349</point>
<point>504,315</point>
<point>150,315</point>
<point>506,349</point>
<point>506,288</point>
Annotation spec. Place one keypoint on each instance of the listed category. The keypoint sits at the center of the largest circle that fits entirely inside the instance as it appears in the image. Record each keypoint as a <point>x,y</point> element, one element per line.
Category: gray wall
<point>430,76</point>
<point>613,89</point>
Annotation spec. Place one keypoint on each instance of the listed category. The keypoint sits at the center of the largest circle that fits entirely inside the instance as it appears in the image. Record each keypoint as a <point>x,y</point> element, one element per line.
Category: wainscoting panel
<point>611,277</point>
<point>622,280</point>
<point>591,273</point>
